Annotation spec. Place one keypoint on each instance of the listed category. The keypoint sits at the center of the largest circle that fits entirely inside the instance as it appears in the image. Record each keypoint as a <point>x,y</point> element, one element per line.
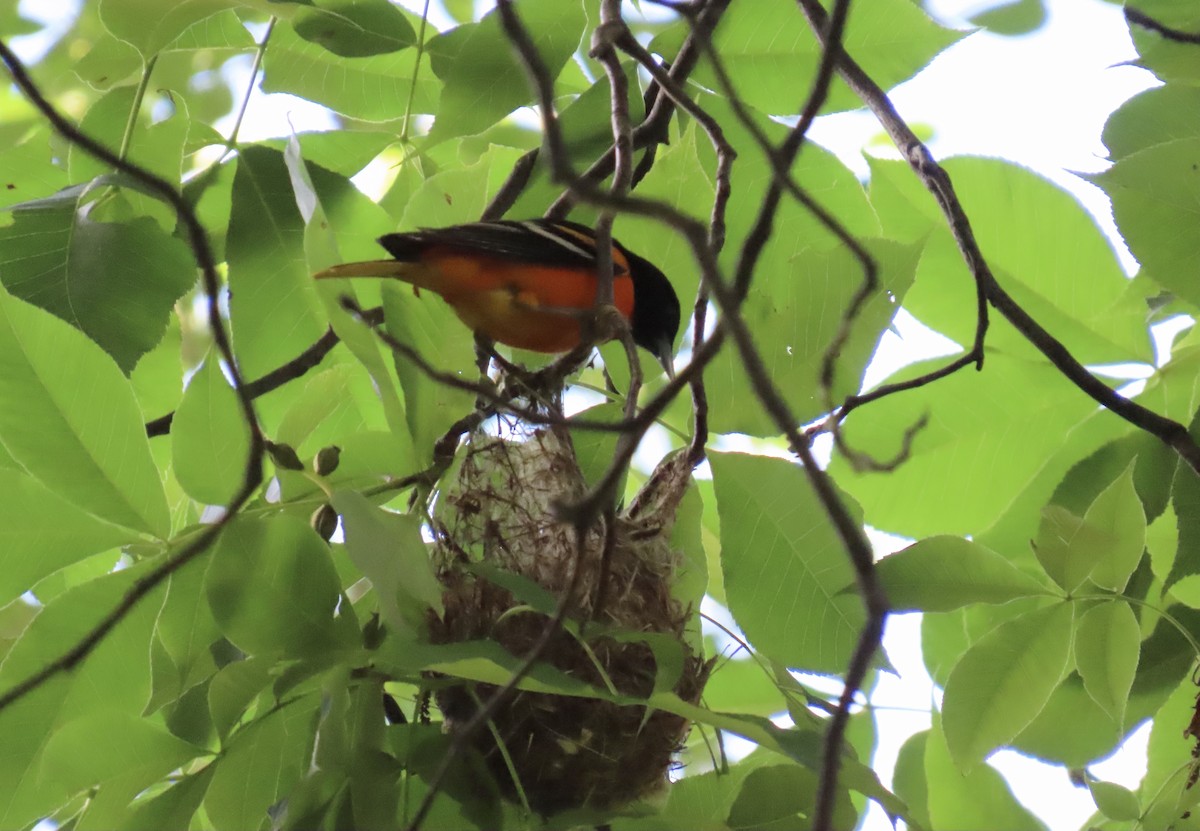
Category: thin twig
<point>514,185</point>
<point>716,233</point>
<point>653,128</point>
<point>139,95</point>
<point>259,52</point>
<point>502,399</point>
<point>412,87</point>
<point>276,378</point>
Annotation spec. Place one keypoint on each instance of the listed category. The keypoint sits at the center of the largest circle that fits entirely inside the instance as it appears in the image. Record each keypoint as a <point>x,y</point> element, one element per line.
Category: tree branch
<point>1144,20</point>
<point>276,378</point>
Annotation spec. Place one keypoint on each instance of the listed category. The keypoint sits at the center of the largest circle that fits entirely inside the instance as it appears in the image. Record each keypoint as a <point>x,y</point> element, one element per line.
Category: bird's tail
<point>416,274</point>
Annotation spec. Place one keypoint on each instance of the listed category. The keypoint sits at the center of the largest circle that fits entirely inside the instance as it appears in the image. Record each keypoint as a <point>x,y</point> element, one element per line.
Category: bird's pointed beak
<point>665,352</point>
<point>373,268</point>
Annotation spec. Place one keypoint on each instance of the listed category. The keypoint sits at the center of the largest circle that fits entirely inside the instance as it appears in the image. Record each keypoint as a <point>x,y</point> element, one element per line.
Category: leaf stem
<point>138,96</point>
<point>1166,616</point>
<point>412,89</point>
<point>231,142</point>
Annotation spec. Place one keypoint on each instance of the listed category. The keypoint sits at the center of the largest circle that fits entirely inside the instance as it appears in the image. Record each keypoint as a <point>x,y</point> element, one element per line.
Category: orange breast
<point>521,304</point>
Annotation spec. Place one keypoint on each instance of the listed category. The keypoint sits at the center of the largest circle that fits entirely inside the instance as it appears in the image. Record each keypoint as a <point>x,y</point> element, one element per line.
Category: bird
<point>526,283</point>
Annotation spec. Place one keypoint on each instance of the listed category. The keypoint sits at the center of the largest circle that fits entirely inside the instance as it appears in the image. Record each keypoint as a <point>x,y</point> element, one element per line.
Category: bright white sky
<point>1040,100</point>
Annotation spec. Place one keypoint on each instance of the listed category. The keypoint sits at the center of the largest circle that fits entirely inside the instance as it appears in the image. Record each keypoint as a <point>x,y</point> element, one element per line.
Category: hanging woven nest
<point>499,514</point>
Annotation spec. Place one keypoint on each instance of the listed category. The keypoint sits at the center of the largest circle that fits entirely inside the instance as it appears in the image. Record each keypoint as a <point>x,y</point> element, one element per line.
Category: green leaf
<point>1164,790</point>
<point>700,801</point>
<point>157,146</point>
<point>113,750</point>
<point>774,796</point>
<point>1071,730</point>
<point>261,764</point>
<point>691,579</point>
<point>795,312</point>
<point>115,281</point>
<point>1046,250</point>
<point>1162,539</point>
<point>429,326</point>
<point>742,685</point>
<point>968,441</point>
<point>148,25</point>
<point>339,151</point>
<point>1117,514</point>
<point>1155,194</point>
<point>233,688</point>
<point>174,807</point>
<point>1153,462</point>
<point>185,627</point>
<point>70,418</point>
<point>1155,116</point>
<point>366,458</point>
<point>1065,546</point>
<point>1115,801</point>
<point>1187,591</point>
<point>1166,57</point>
<point>388,549</point>
<point>210,441</point>
<point>1003,681</point>
<point>772,54</point>
<point>223,30</point>
<point>332,403</point>
<point>1108,640</point>
<point>28,172</point>
<point>377,88</point>
<point>352,214</point>
<point>938,574</point>
<point>272,588</point>
<point>188,715</point>
<point>114,678</point>
<point>909,778</point>
<point>1062,480</point>
<point>784,564</point>
<point>109,63</point>
<point>354,28</point>
<point>1185,500</point>
<point>490,663</point>
<point>1018,17</point>
<point>484,81</point>
<point>1166,660</point>
<point>44,533</point>
<point>979,800</point>
<point>594,449</point>
<point>269,280</point>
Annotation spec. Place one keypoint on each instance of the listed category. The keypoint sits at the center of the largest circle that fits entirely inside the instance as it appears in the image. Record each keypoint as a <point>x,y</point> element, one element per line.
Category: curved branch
<point>1144,20</point>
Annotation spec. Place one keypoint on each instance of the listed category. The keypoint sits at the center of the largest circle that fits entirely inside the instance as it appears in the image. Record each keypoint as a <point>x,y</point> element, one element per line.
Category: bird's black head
<point>655,309</point>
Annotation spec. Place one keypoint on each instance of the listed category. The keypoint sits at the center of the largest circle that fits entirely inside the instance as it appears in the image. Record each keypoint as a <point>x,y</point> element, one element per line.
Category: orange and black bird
<point>524,283</point>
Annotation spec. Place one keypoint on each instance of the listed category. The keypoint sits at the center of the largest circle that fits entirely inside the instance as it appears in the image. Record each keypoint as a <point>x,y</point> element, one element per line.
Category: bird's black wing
<point>540,241</point>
